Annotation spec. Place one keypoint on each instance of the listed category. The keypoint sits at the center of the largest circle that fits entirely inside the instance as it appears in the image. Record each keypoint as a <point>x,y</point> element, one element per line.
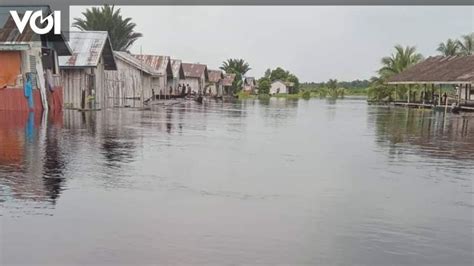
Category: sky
<point>314,42</point>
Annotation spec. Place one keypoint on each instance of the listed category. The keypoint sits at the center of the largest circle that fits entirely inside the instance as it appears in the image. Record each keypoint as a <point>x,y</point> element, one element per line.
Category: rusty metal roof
<point>215,75</point>
<point>159,63</point>
<point>194,70</point>
<point>228,79</point>
<point>438,70</point>
<point>9,34</point>
<point>177,68</point>
<point>133,61</point>
<point>87,49</point>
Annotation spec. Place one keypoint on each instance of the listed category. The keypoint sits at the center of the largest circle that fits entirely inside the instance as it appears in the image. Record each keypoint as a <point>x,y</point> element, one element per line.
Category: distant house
<point>178,74</point>
<point>196,76</point>
<point>162,73</point>
<point>29,56</point>
<point>131,82</point>
<point>84,70</point>
<point>250,84</point>
<point>215,82</point>
<point>227,83</point>
<point>279,86</point>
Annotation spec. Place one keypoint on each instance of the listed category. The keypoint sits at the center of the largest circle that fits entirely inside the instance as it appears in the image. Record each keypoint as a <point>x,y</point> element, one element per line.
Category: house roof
<point>177,68</point>
<point>133,61</point>
<point>215,75</point>
<point>286,83</point>
<point>228,79</point>
<point>87,49</point>
<point>438,70</point>
<point>9,34</point>
<point>250,81</point>
<point>159,63</point>
<point>194,70</point>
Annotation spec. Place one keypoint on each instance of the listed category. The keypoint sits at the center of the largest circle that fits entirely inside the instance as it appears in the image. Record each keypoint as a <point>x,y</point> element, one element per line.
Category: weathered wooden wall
<point>125,84</point>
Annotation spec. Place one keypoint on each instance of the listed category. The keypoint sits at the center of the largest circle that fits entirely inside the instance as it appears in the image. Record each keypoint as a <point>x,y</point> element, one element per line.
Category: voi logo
<point>53,21</point>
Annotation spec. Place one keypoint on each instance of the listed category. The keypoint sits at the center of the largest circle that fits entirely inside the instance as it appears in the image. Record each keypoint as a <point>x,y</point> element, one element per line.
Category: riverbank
<point>307,94</point>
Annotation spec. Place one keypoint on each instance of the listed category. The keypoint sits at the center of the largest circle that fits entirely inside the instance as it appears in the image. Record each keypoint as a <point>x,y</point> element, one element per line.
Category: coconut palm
<point>448,48</point>
<point>238,67</point>
<point>466,44</point>
<point>399,61</point>
<point>107,18</point>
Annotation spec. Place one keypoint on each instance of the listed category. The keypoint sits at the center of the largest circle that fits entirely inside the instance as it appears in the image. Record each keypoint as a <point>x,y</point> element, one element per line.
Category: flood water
<point>314,182</point>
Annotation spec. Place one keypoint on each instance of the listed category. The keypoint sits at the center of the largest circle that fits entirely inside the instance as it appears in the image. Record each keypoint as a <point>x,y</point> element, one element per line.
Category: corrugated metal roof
<point>250,81</point>
<point>132,60</point>
<point>438,69</point>
<point>87,49</point>
<point>228,79</point>
<point>9,33</point>
<point>194,70</point>
<point>159,63</point>
<point>215,75</point>
<point>177,68</point>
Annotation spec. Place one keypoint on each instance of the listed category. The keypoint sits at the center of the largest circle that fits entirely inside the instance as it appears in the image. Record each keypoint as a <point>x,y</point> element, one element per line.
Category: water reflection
<point>436,134</point>
<point>31,159</point>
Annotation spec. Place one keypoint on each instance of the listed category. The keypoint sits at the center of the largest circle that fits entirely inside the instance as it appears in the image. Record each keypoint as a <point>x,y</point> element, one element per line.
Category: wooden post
<point>432,94</point>
<point>409,92</point>
<point>439,96</point>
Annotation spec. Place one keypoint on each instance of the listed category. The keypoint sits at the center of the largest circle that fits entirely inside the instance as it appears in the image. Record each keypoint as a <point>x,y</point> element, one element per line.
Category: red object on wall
<point>13,99</point>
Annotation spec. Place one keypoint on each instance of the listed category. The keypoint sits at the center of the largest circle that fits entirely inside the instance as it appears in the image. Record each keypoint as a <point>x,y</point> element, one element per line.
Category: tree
<point>466,44</point>
<point>399,61</point>
<point>238,67</point>
<point>296,83</point>
<point>279,74</point>
<point>403,58</point>
<point>268,73</point>
<point>106,18</point>
<point>264,85</point>
<point>448,48</point>
<point>332,84</point>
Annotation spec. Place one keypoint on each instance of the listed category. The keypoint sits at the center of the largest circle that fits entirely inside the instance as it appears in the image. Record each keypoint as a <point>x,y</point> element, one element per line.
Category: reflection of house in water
<point>32,161</point>
<point>436,134</point>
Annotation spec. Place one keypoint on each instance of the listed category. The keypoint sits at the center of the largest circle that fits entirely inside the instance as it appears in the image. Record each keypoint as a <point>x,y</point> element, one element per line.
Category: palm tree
<point>466,44</point>
<point>106,18</point>
<point>238,67</point>
<point>403,58</point>
<point>448,48</point>
<point>399,61</point>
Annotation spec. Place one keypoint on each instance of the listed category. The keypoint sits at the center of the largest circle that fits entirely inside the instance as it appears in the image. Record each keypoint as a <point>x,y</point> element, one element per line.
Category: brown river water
<point>311,182</point>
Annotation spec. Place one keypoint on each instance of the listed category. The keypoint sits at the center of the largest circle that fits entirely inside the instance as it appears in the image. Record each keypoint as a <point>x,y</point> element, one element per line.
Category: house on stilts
<point>83,72</point>
<point>162,76</point>
<point>131,84</point>
<point>29,64</point>
<point>215,87</point>
<point>441,81</point>
<point>196,76</point>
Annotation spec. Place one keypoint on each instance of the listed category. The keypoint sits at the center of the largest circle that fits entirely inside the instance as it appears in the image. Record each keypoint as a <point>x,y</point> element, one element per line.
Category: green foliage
<point>285,76</point>
<point>264,85</point>
<point>448,48</point>
<point>106,18</point>
<point>306,95</point>
<point>238,67</point>
<point>466,44</point>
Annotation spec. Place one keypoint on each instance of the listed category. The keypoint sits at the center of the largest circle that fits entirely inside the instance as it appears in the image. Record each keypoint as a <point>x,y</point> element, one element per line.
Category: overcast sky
<point>314,42</point>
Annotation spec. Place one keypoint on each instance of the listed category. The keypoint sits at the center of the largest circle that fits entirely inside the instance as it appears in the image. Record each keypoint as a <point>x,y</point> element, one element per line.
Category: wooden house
<point>131,83</point>
<point>215,87</point>
<point>178,74</point>
<point>83,72</point>
<point>250,85</point>
<point>196,76</point>
<point>162,74</point>
<point>227,83</point>
<point>29,57</point>
<point>432,74</point>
